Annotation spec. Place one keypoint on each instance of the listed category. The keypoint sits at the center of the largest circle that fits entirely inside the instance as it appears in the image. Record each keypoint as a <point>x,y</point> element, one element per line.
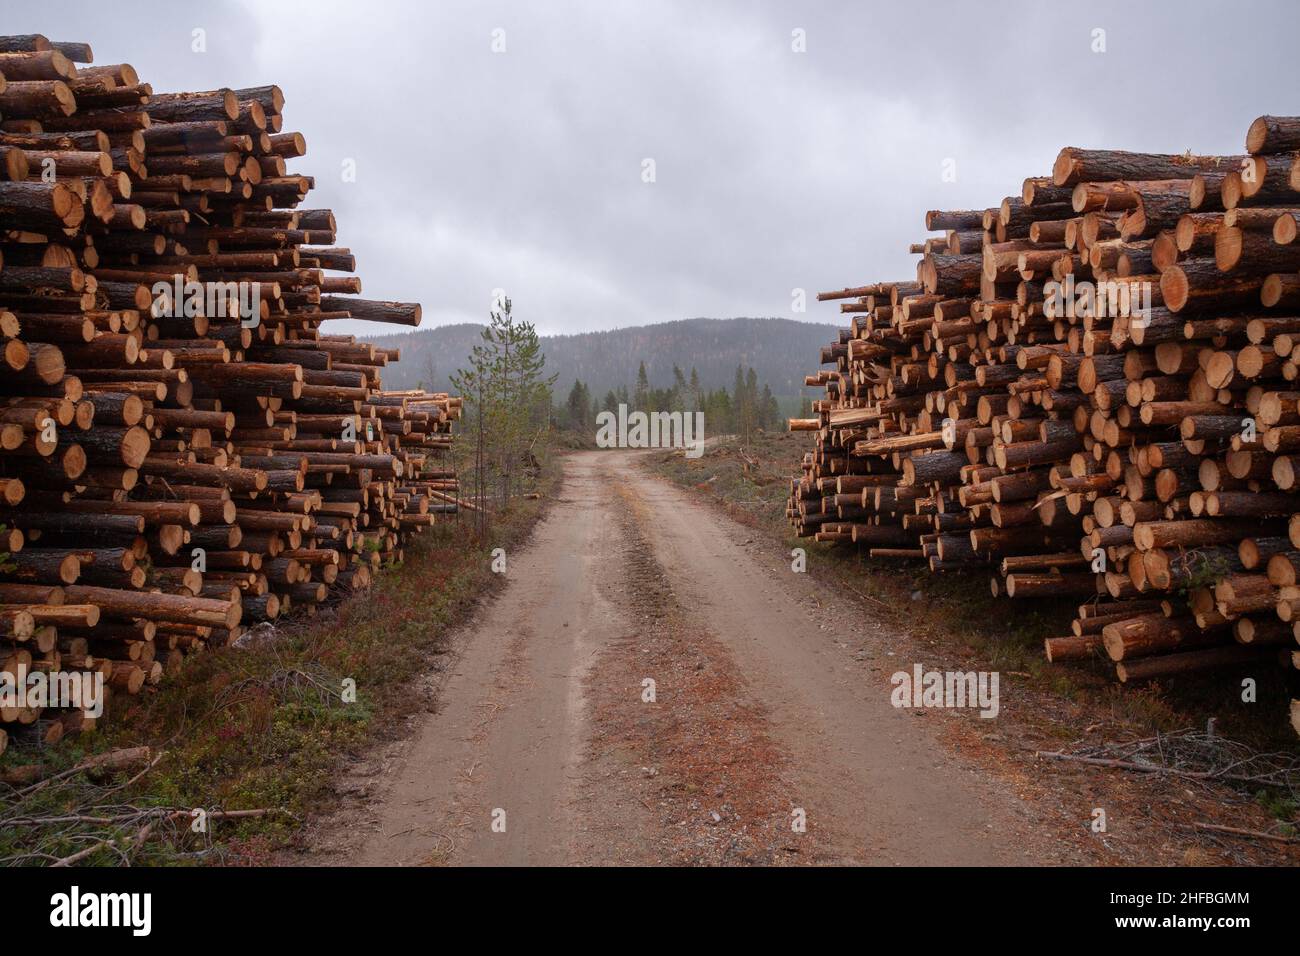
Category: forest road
<point>656,686</point>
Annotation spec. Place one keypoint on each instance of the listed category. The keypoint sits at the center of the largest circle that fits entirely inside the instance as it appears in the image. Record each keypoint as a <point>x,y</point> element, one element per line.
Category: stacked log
<point>184,449</point>
<point>1090,391</point>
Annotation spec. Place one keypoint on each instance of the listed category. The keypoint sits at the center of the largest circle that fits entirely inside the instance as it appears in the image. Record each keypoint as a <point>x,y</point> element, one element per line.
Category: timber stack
<point>1089,390</point>
<point>184,450</point>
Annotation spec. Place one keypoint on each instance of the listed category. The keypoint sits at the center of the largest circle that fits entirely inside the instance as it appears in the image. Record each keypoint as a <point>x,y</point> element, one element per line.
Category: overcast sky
<point>773,169</point>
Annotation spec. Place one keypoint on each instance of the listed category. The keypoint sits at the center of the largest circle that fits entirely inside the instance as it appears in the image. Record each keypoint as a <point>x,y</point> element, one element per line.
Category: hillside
<point>775,348</point>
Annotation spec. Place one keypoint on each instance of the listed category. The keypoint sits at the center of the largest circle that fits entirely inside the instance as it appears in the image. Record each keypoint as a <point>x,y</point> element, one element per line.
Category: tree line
<point>509,406</point>
<point>742,410</point>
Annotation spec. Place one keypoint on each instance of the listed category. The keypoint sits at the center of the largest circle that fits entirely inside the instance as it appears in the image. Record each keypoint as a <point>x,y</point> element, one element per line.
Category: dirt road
<point>654,685</point>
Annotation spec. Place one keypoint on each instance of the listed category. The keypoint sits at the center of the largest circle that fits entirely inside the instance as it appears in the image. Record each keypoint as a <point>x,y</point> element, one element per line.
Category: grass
<point>267,725</point>
<point>1283,807</point>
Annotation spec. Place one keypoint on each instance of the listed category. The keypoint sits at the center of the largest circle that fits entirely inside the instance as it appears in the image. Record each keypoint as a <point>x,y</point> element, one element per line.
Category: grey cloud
<point>775,170</point>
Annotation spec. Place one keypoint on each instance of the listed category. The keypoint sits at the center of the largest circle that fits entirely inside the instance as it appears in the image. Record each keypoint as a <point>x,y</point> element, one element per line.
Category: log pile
<point>184,449</point>
<point>1090,391</point>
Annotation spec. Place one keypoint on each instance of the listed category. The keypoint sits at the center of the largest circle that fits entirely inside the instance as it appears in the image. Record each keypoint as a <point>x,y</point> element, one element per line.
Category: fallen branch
<point>1146,768</point>
<point>80,855</point>
<point>162,813</point>
<point>1240,832</point>
<point>112,760</point>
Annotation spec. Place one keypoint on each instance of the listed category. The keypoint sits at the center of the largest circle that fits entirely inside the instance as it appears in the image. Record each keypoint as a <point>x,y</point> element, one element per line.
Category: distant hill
<point>780,351</point>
